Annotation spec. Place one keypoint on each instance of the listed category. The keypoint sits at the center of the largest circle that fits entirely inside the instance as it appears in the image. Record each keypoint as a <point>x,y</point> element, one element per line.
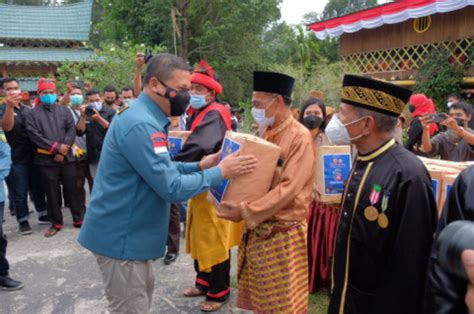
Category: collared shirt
<point>387,221</point>
<point>127,217</point>
<point>290,195</point>
<point>22,150</point>
<point>450,147</point>
<point>48,127</point>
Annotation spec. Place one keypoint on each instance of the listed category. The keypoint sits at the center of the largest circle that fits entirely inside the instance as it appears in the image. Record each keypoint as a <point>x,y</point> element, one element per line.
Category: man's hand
<point>63,149</point>
<point>452,124</point>
<point>233,165</point>
<point>13,99</point>
<point>139,60</point>
<point>59,158</point>
<point>87,86</point>
<point>230,211</point>
<point>426,120</point>
<point>96,116</point>
<point>468,261</point>
<point>210,161</point>
<point>70,86</point>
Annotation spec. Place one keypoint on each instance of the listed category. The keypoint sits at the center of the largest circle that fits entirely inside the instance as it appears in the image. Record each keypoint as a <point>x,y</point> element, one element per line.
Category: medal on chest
<point>371,213</point>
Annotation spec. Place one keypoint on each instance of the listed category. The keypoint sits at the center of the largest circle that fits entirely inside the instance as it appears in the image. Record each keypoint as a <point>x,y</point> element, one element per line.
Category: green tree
<point>336,8</point>
<point>112,65</point>
<point>228,33</point>
<point>438,78</point>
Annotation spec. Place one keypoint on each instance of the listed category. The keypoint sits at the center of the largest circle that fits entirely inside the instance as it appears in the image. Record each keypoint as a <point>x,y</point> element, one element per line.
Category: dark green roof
<point>44,55</point>
<point>62,22</point>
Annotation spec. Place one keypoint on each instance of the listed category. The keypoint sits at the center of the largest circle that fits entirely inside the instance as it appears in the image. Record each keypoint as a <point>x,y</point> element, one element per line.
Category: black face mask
<point>179,100</point>
<point>411,108</point>
<point>109,102</point>
<point>312,122</point>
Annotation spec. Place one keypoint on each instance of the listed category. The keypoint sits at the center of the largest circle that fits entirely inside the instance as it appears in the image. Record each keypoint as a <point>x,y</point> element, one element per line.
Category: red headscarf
<point>43,84</point>
<point>204,75</point>
<point>423,105</point>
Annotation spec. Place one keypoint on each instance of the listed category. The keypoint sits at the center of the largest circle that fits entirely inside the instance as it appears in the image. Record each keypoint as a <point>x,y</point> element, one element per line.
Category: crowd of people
<point>374,251</point>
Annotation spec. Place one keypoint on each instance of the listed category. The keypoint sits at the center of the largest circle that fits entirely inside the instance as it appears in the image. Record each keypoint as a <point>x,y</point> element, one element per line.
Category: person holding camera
<point>446,291</point>
<point>24,175</point>
<point>455,144</point>
<point>419,105</point>
<point>94,122</point>
<point>51,128</point>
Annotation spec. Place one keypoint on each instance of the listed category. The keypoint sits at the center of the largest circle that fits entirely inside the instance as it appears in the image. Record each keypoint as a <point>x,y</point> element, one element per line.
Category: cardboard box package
<point>176,140</point>
<point>448,180</point>
<point>251,186</point>
<point>437,182</point>
<point>333,166</point>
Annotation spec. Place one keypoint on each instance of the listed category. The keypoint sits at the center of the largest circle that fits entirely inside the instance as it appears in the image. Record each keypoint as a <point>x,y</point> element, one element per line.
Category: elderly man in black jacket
<point>52,130</point>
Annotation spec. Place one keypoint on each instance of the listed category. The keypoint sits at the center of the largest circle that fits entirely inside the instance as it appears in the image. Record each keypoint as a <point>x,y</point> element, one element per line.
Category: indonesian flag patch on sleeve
<point>160,145</point>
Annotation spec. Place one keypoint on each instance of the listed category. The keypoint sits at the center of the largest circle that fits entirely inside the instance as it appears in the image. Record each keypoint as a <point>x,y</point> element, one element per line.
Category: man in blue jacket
<point>126,224</point>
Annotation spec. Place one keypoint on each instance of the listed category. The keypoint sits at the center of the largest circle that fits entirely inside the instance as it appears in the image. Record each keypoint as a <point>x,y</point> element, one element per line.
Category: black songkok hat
<point>374,95</point>
<point>271,82</point>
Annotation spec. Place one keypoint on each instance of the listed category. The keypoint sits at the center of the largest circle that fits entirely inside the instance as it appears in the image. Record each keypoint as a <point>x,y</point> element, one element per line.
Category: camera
<point>89,111</point>
<point>452,241</point>
<point>438,117</point>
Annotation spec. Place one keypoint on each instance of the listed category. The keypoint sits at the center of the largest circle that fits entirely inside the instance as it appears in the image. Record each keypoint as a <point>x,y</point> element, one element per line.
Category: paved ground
<point>62,277</point>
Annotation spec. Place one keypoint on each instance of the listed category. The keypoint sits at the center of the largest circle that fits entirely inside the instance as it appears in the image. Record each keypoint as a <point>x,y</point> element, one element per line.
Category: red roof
<point>390,13</point>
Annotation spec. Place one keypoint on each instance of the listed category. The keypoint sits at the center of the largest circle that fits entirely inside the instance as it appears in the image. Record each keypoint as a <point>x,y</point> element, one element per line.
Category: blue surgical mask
<point>198,101</point>
<point>96,105</point>
<point>48,99</point>
<point>76,100</point>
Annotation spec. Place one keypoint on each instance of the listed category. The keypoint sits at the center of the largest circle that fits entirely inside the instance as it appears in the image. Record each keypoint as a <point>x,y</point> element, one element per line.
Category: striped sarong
<point>273,268</point>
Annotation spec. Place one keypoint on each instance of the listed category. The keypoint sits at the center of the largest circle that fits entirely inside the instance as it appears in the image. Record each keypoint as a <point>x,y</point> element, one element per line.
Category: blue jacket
<point>5,164</point>
<point>127,217</point>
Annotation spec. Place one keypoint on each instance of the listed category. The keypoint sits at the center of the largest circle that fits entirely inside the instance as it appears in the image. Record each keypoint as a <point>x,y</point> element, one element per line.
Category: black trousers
<point>174,230</point>
<point>83,174</point>
<point>52,177</point>
<point>216,283</point>
<point>4,267</point>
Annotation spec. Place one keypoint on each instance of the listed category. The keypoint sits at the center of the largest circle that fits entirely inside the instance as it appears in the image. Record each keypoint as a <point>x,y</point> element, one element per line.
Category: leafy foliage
<point>438,78</point>
<point>336,8</point>
<point>112,65</point>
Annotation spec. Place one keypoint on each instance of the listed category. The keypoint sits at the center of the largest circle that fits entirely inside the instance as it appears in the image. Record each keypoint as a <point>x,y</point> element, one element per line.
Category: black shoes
<point>44,220</point>
<point>170,258</point>
<point>25,228</point>
<point>9,284</point>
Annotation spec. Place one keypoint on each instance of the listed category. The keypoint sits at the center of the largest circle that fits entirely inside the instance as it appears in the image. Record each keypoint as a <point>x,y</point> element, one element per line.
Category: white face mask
<point>449,104</point>
<point>337,133</point>
<point>260,117</point>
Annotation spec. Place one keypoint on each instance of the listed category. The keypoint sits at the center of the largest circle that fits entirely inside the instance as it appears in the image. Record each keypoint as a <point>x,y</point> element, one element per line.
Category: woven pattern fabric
<point>273,269</point>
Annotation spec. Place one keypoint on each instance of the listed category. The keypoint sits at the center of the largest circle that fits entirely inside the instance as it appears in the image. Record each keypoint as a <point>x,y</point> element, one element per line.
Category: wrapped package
<point>448,180</point>
<point>333,166</point>
<point>176,140</point>
<point>437,182</point>
<point>251,186</point>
